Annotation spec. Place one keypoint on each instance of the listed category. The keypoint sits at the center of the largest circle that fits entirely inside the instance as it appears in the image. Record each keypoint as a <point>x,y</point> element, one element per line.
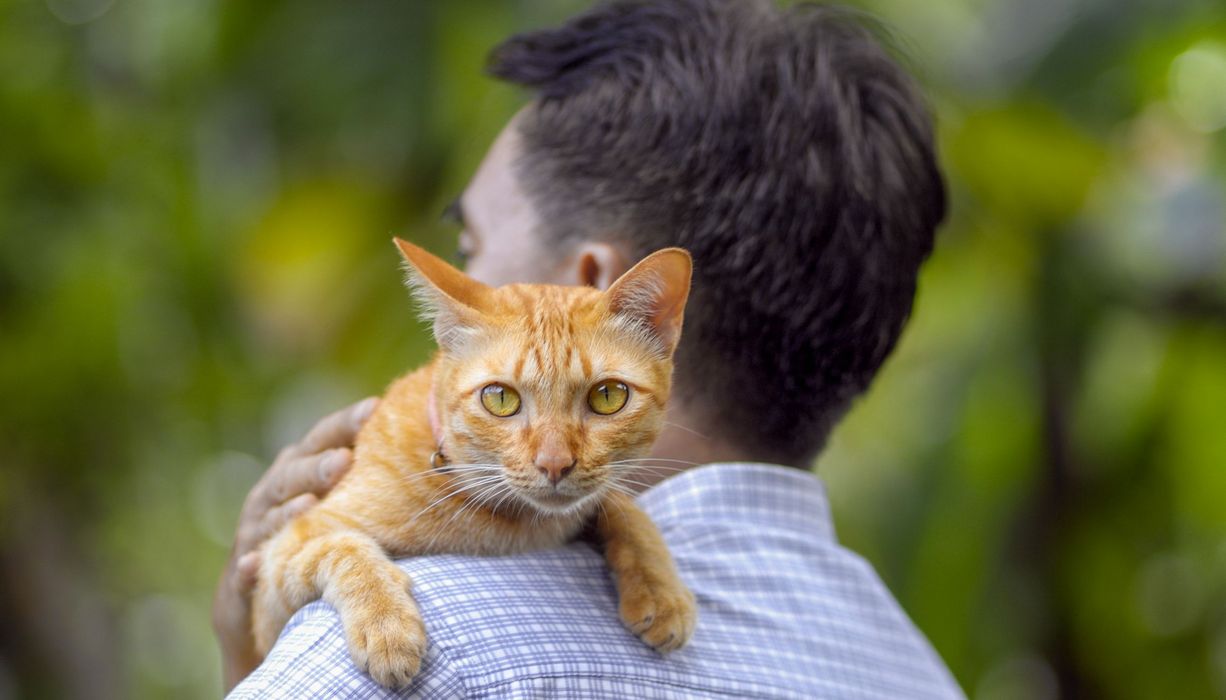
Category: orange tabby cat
<point>515,437</point>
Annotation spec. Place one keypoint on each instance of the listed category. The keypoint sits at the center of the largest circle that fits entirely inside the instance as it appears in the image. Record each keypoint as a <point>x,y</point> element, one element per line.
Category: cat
<point>520,434</point>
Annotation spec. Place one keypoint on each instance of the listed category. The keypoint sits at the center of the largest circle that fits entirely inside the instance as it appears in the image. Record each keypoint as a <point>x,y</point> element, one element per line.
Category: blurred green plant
<point>196,200</point>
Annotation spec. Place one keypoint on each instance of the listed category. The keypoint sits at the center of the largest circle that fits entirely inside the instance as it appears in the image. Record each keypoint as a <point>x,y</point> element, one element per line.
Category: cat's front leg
<point>653,601</point>
<point>348,569</point>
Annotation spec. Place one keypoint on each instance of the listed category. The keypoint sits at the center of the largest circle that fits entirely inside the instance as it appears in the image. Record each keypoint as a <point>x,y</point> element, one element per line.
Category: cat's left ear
<point>449,298</point>
<point>653,294</point>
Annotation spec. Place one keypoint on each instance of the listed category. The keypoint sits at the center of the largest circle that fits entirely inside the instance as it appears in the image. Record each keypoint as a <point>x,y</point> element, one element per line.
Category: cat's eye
<point>500,400</point>
<point>608,397</point>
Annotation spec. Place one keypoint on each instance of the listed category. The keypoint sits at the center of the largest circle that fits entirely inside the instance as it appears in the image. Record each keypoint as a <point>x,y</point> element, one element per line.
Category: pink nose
<point>554,457</point>
<point>554,464</point>
<point>555,472</point>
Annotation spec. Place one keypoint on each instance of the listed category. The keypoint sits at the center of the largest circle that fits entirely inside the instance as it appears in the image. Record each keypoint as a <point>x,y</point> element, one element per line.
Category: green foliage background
<point>196,199</point>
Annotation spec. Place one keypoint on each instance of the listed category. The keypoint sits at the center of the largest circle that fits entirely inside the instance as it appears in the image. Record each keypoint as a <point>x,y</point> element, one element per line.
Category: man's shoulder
<point>539,624</point>
<point>784,611</point>
<point>507,624</point>
<point>494,608</point>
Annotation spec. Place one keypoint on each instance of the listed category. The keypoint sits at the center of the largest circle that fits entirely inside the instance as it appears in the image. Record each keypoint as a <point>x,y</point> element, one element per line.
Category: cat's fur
<point>492,493</point>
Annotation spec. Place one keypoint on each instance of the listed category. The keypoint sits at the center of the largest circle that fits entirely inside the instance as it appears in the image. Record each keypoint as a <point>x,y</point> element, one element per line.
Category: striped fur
<point>551,344</point>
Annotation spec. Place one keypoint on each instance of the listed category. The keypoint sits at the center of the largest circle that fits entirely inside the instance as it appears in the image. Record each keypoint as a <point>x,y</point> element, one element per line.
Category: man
<point>790,155</point>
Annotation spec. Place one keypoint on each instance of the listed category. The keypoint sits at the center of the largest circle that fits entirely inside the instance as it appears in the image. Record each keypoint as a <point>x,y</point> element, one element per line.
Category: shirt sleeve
<point>311,659</point>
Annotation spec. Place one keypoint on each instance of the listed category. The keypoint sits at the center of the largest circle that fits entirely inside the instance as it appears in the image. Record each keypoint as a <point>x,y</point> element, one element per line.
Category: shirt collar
<point>757,494</point>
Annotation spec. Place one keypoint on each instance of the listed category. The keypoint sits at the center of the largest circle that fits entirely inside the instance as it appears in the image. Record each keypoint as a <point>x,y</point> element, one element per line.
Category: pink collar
<point>437,459</point>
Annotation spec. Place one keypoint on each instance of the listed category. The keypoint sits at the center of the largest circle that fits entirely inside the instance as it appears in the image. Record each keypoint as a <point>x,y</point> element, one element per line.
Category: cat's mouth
<point>556,501</point>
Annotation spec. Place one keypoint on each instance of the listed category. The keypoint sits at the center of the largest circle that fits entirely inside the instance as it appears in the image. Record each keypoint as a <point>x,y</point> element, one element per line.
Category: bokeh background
<point>196,201</point>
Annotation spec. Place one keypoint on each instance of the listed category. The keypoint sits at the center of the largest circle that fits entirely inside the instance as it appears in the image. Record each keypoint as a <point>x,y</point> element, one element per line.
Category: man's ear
<point>450,299</point>
<point>597,264</point>
<point>652,294</point>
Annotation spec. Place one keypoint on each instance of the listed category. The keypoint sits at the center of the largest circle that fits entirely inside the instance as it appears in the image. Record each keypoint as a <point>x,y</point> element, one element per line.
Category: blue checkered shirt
<point>784,611</point>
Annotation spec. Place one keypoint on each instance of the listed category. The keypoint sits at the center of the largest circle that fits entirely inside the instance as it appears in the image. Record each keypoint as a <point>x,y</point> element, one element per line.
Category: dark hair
<point>784,149</point>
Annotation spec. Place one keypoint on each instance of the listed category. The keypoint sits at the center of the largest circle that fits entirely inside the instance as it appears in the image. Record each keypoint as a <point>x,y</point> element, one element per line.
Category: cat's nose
<point>554,457</point>
<point>555,466</point>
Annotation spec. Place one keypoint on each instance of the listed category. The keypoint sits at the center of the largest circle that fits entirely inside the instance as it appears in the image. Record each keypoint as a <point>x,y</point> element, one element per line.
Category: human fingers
<point>316,474</point>
<point>246,570</point>
<point>277,517</point>
<point>285,478</point>
<point>284,481</point>
<point>338,429</point>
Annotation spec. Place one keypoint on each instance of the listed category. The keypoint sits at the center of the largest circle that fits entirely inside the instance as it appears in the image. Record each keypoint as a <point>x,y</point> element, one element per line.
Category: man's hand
<point>300,476</point>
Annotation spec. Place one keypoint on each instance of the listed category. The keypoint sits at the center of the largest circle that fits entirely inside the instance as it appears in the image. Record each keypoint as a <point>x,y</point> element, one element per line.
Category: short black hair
<point>784,148</point>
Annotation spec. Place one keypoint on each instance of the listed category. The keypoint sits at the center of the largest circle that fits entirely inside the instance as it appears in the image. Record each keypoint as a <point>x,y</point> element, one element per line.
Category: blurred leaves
<point>1024,163</point>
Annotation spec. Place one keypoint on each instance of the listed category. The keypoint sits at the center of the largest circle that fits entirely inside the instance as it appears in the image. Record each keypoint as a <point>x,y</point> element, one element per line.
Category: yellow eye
<point>500,400</point>
<point>608,397</point>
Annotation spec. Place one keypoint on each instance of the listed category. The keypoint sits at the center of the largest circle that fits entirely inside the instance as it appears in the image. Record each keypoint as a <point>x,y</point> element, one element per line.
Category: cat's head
<point>543,393</point>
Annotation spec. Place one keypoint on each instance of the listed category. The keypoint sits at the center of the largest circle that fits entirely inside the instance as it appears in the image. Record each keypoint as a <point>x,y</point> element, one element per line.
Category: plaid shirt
<point>784,611</point>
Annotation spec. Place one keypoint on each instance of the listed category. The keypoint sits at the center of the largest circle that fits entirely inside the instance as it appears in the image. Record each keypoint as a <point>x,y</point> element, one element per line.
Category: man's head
<point>783,148</point>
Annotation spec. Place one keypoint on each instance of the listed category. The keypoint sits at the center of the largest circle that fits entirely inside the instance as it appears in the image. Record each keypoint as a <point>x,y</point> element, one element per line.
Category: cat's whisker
<point>621,509</point>
<point>633,490</point>
<point>624,482</point>
<point>634,467</point>
<point>467,486</point>
<point>439,532</point>
<point>633,482</point>
<point>411,478</point>
<point>507,493</point>
<point>467,468</point>
<point>472,482</point>
<point>521,504</point>
<point>472,502</point>
<point>489,494</point>
<point>660,459</point>
<point>665,468</point>
<point>480,484</point>
<point>476,502</point>
<point>686,429</point>
<point>600,508</point>
<point>489,499</point>
<point>452,469</point>
<point>440,499</point>
<point>654,459</point>
<point>473,505</point>
<point>621,489</point>
<point>643,469</point>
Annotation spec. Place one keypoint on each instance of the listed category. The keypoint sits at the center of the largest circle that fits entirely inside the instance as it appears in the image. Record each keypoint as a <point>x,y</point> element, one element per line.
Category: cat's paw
<point>662,614</point>
<point>388,641</point>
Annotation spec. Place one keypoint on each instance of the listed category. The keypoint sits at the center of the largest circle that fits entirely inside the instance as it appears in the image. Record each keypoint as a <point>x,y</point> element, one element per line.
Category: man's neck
<point>687,441</point>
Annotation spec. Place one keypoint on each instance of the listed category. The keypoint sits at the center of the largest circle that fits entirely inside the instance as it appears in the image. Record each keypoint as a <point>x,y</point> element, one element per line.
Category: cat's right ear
<point>652,295</point>
<point>450,299</point>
